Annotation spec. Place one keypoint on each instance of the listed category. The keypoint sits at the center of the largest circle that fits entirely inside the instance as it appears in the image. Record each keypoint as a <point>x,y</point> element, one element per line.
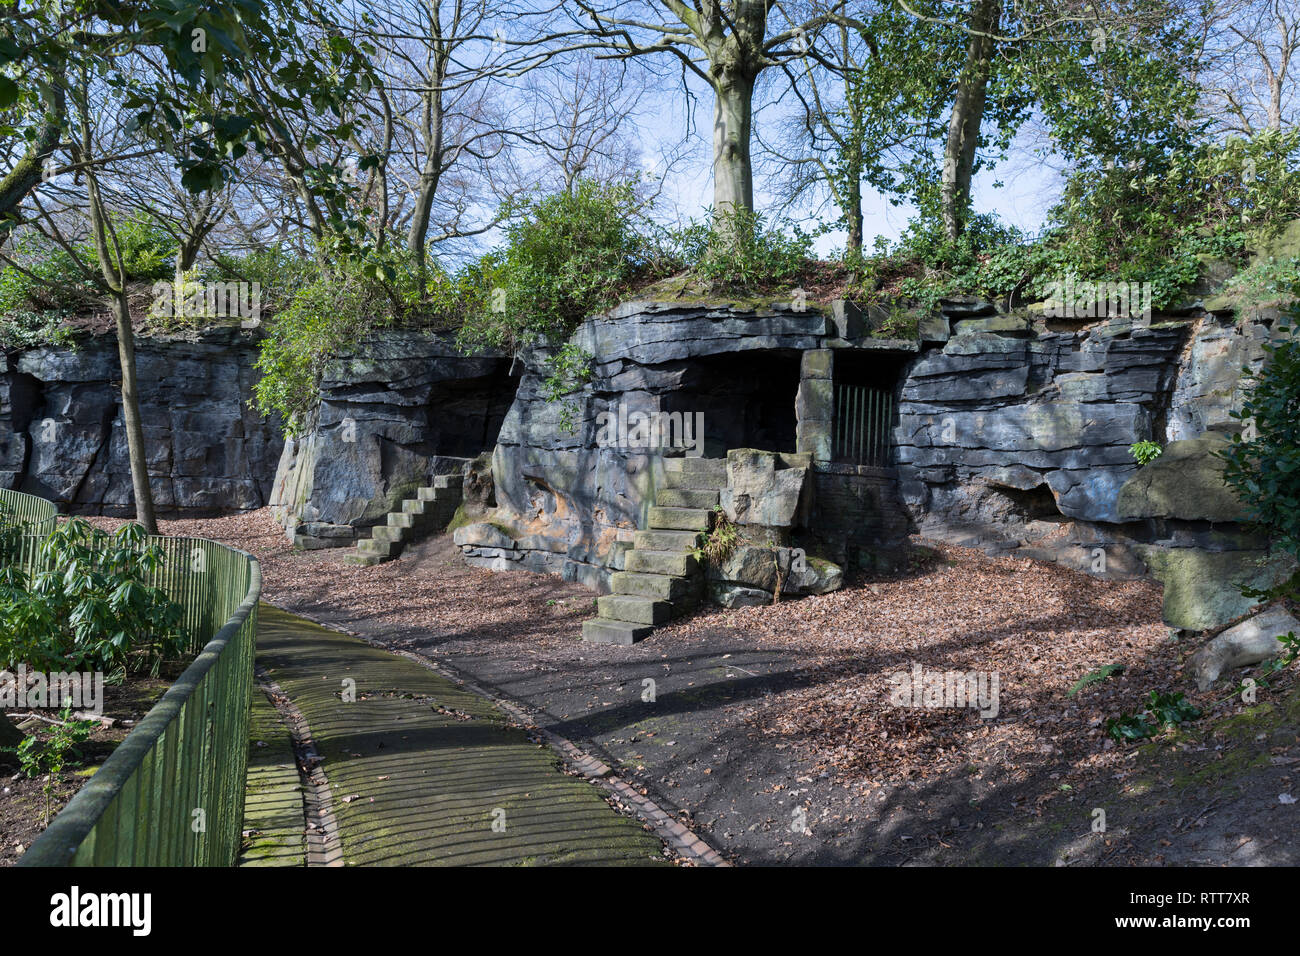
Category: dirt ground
<point>22,799</point>
<point>771,729</point>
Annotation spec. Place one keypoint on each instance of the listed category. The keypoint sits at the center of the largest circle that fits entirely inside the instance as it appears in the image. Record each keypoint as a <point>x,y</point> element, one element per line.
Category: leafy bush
<point>738,251</point>
<point>89,607</point>
<point>279,272</point>
<point>1162,710</point>
<point>48,282</point>
<point>571,254</point>
<point>148,250</point>
<point>49,755</point>
<point>1263,465</point>
<point>26,330</point>
<point>570,370</point>
<point>322,318</point>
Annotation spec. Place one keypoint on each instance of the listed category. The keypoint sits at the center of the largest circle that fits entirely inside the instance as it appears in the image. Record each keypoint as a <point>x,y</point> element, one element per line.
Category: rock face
<point>1005,431</point>
<point>993,423</point>
<point>401,408</point>
<point>61,433</point>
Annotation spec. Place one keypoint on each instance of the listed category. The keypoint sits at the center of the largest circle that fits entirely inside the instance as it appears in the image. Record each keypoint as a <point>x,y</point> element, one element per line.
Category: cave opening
<point>747,398</point>
<point>465,415</point>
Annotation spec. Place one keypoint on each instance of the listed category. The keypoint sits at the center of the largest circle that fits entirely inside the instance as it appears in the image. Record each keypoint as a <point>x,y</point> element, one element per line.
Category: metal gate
<point>864,418</point>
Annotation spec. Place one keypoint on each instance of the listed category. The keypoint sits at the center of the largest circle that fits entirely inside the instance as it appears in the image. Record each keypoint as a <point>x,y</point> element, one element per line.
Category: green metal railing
<point>38,513</point>
<point>864,418</point>
<point>172,793</point>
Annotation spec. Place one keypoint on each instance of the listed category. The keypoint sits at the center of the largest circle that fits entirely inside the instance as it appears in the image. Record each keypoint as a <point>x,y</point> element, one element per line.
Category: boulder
<point>736,595</point>
<point>1249,642</point>
<point>1203,588</point>
<point>766,489</point>
<point>483,534</point>
<point>1185,482</point>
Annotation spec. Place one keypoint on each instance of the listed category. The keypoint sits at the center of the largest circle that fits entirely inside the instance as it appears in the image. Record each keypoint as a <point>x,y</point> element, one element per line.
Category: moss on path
<point>273,807</point>
<point>424,772</point>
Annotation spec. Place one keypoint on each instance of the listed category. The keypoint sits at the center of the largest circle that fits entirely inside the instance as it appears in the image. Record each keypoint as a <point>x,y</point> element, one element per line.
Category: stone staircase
<point>662,578</point>
<point>428,512</point>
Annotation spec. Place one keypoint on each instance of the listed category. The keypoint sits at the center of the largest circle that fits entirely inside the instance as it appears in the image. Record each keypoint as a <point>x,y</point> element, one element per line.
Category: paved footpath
<point>423,772</point>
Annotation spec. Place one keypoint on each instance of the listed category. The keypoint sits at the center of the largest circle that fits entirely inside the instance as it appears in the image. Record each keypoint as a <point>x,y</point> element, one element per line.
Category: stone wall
<point>61,433</point>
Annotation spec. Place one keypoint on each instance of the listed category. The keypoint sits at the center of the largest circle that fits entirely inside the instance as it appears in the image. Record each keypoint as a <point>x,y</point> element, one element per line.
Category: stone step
<point>448,482</point>
<point>426,494</point>
<point>367,560</point>
<point>679,519</point>
<point>634,609</point>
<point>667,540</point>
<point>712,467</point>
<point>602,631</point>
<point>675,563</point>
<point>382,532</point>
<point>379,548</point>
<point>687,498</point>
<point>689,481</point>
<point>409,519</point>
<point>662,587</point>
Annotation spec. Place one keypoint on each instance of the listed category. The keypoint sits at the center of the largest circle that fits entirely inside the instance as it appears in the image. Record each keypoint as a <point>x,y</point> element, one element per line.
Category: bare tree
<point>1251,57</point>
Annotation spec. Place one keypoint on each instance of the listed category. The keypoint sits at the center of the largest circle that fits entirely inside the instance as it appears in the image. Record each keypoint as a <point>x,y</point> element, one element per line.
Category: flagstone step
<point>634,609</point>
<point>687,498</point>
<point>679,519</point>
<point>601,631</point>
<point>676,563</point>
<point>667,540</point>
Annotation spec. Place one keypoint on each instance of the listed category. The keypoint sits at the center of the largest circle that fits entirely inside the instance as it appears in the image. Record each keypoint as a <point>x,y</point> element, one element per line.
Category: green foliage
<point>89,605</point>
<point>50,281</point>
<point>1162,710</point>
<point>50,754</point>
<point>570,369</point>
<point>1266,280</point>
<point>737,251</point>
<point>570,254</point>
<point>1145,452</point>
<point>1095,677</point>
<point>720,542</point>
<point>148,252</point>
<point>322,318</point>
<point>279,272</point>
<point>26,330</point>
<point>1263,465</point>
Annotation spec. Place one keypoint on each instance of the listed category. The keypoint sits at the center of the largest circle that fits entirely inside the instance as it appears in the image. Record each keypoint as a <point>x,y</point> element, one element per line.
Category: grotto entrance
<point>866,407</point>
<point>747,398</point>
<point>464,415</point>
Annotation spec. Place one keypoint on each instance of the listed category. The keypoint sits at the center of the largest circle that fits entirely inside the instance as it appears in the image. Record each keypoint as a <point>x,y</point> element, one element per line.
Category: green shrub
<point>737,251</point>
<point>322,318</point>
<point>48,754</point>
<point>27,330</point>
<point>88,606</point>
<point>279,273</point>
<point>571,254</point>
<point>1263,462</point>
<point>1162,710</point>
<point>148,251</point>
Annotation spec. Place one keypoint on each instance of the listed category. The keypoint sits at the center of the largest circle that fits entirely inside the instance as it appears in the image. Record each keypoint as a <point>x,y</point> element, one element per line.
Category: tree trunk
<point>733,173</point>
<point>967,116</point>
<point>144,513</point>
